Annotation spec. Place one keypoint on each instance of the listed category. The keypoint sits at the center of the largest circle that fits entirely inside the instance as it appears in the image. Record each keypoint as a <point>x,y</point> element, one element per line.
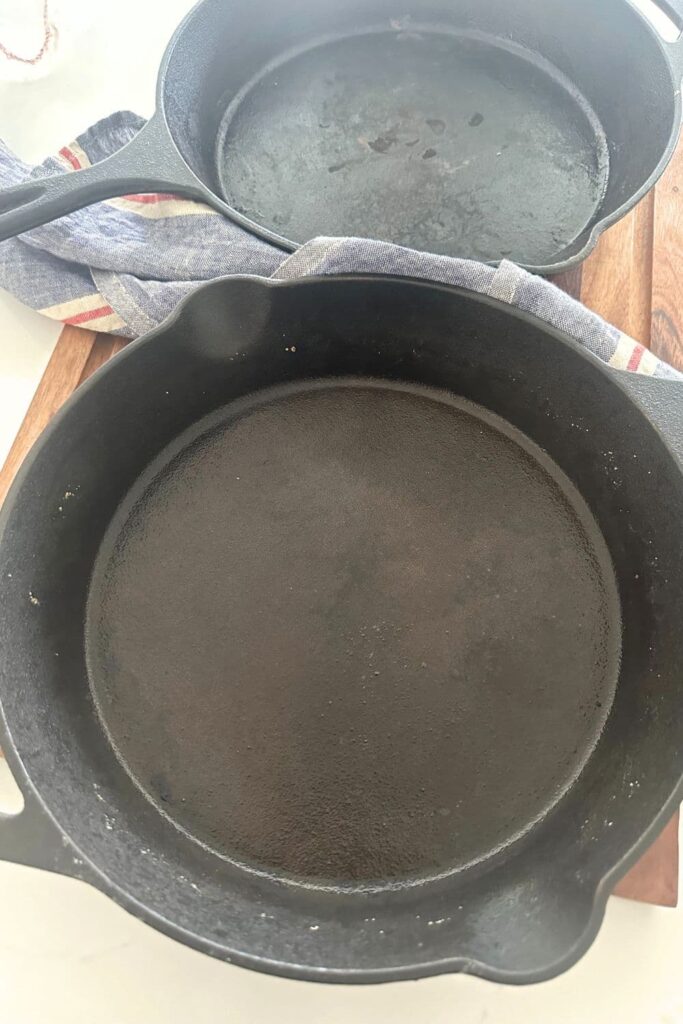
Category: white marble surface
<point>67,954</point>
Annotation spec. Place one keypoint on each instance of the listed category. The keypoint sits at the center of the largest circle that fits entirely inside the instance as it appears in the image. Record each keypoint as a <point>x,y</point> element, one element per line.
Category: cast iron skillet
<point>510,128</point>
<point>340,631</point>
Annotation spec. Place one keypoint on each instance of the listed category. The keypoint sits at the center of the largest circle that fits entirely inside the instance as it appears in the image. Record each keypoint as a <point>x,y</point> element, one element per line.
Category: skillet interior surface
<point>353,631</point>
<point>451,142</point>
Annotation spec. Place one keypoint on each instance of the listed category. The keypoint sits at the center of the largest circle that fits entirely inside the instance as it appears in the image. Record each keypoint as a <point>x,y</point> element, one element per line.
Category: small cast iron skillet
<point>340,631</point>
<point>510,128</point>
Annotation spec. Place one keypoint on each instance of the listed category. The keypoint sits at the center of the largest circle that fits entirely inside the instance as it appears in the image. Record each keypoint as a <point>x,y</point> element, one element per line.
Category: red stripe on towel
<point>636,356</point>
<point>71,157</point>
<point>90,314</point>
<point>152,197</point>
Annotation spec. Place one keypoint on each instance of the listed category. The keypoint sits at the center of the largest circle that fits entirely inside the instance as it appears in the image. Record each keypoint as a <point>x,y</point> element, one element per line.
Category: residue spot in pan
<point>353,631</point>
<point>333,140</point>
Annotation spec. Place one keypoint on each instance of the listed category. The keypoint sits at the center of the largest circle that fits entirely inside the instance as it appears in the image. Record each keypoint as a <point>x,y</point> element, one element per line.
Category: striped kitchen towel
<point>124,264</point>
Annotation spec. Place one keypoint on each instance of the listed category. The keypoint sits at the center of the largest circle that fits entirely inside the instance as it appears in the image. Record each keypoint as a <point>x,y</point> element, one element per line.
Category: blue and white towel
<point>123,265</point>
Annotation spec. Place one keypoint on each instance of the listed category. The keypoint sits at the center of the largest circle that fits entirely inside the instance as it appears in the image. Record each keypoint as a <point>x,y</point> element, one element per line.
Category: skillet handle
<point>148,163</point>
<point>673,9</point>
<point>662,402</point>
<point>32,837</point>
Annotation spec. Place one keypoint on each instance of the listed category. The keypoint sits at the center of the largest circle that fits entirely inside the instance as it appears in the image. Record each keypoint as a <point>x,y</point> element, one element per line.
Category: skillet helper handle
<point>662,402</point>
<point>674,10</point>
<point>150,162</point>
<point>32,839</point>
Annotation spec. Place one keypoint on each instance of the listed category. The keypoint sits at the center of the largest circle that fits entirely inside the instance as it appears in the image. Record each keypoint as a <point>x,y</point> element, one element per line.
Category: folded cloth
<point>123,265</point>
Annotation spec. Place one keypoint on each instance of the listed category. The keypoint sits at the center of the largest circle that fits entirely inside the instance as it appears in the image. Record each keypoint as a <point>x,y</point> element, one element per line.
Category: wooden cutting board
<point>633,279</point>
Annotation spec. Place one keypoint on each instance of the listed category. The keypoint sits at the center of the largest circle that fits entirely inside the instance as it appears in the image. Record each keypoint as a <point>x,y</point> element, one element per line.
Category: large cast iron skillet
<point>509,128</point>
<point>340,631</point>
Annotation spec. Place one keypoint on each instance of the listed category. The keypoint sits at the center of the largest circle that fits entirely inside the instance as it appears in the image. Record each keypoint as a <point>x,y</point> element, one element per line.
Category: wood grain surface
<point>616,280</point>
<point>634,279</point>
<point>667,265</point>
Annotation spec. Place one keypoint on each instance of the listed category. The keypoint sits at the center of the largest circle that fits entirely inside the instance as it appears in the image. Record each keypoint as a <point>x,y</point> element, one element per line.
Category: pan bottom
<point>453,143</point>
<point>353,631</point>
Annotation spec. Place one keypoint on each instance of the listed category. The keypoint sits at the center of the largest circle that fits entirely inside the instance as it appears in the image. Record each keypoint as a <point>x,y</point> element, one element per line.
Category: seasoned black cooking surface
<point>353,631</point>
<point>450,143</point>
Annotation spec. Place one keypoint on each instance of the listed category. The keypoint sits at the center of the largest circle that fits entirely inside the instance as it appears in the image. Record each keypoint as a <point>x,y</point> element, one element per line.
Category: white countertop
<point>67,954</point>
